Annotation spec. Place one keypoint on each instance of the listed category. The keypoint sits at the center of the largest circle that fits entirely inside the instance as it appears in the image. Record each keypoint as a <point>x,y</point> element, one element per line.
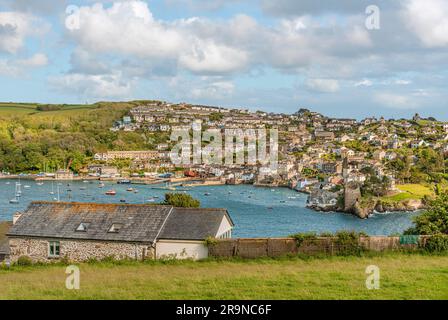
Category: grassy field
<point>12,109</point>
<point>410,191</point>
<point>402,276</point>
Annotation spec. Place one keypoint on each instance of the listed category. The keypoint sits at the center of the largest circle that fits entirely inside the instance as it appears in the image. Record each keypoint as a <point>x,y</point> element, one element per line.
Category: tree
<point>181,200</point>
<point>434,220</point>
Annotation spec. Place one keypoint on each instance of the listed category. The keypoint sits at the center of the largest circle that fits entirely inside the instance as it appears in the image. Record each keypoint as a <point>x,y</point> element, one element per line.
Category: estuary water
<point>256,212</point>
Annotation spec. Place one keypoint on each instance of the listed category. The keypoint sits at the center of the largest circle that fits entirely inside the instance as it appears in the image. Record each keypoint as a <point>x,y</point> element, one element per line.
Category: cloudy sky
<point>261,54</point>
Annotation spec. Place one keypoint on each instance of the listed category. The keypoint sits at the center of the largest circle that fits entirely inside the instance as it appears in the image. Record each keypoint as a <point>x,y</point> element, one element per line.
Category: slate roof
<point>193,224</point>
<point>139,223</point>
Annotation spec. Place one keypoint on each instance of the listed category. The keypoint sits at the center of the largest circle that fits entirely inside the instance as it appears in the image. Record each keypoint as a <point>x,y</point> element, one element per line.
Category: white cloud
<point>323,85</point>
<point>359,36</point>
<point>7,69</point>
<point>22,67</point>
<point>396,101</point>
<point>214,90</point>
<point>129,28</point>
<point>93,86</point>
<point>364,83</point>
<point>210,57</point>
<point>428,20</point>
<point>16,27</point>
<point>205,46</point>
<point>37,60</point>
<point>402,82</point>
<point>126,27</point>
<point>84,62</point>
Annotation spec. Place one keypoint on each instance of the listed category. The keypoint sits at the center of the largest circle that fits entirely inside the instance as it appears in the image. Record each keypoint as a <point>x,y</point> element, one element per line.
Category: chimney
<point>16,217</point>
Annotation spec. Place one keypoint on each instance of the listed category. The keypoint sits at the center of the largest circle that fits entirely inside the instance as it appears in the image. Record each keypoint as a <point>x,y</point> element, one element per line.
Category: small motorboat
<point>27,186</point>
<point>40,183</point>
<point>207,194</point>
<point>14,201</point>
<point>111,193</point>
<point>135,191</point>
<point>101,185</point>
<point>130,189</point>
<point>150,200</point>
<point>122,200</point>
<point>82,188</point>
<point>8,182</point>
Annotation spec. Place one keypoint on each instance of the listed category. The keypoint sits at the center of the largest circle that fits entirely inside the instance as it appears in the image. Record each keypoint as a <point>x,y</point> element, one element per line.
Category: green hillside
<point>34,137</point>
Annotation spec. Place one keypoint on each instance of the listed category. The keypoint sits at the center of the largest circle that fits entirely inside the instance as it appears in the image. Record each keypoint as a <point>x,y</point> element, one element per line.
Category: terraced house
<point>49,231</point>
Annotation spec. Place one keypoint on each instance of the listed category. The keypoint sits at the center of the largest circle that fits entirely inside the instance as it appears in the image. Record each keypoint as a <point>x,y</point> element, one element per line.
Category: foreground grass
<point>403,276</point>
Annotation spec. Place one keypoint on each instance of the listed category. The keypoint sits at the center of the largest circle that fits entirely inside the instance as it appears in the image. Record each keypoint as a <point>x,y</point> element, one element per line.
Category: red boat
<point>111,193</point>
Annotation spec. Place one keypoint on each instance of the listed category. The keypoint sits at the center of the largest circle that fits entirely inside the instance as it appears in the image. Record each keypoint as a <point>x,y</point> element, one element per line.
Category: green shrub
<point>437,243</point>
<point>49,107</point>
<point>327,235</point>
<point>434,220</point>
<point>210,241</point>
<point>301,237</point>
<point>24,261</point>
<point>181,200</point>
<point>348,243</point>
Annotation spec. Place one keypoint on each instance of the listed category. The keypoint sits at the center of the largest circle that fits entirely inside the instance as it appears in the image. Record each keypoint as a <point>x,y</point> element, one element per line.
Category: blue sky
<point>261,54</point>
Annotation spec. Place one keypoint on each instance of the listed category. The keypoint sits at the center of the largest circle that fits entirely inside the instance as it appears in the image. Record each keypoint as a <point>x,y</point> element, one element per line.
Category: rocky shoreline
<point>363,211</point>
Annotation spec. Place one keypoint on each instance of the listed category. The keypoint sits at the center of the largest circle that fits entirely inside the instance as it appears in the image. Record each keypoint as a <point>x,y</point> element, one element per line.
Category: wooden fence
<point>275,247</point>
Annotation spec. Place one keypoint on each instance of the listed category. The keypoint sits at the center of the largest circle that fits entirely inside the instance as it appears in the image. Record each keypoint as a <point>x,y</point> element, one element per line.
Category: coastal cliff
<point>363,210</point>
<point>352,202</point>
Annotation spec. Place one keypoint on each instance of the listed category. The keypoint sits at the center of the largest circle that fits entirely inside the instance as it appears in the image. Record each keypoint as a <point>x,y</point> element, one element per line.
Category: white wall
<point>181,249</point>
<point>224,227</point>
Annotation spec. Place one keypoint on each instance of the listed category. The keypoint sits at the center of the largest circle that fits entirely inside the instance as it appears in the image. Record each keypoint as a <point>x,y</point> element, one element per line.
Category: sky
<point>340,58</point>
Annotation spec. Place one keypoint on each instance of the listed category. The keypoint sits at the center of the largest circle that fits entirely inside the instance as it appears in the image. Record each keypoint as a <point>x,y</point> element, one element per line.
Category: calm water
<point>257,212</point>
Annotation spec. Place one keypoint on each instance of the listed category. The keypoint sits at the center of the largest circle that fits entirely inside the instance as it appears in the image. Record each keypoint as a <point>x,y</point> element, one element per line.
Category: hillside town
<point>325,157</point>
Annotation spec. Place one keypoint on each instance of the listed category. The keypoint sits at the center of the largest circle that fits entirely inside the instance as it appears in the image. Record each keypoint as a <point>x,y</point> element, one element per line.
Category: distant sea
<point>256,212</point>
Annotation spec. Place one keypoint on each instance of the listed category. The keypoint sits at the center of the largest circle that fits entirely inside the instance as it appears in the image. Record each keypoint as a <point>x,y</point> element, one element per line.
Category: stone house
<point>50,231</point>
<point>4,245</point>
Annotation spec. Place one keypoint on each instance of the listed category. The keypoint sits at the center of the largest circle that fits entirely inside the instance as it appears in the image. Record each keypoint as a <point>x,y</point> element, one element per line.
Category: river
<point>257,212</point>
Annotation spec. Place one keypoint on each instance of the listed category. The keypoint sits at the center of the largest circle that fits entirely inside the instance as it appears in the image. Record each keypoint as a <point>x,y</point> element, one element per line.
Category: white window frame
<point>54,245</point>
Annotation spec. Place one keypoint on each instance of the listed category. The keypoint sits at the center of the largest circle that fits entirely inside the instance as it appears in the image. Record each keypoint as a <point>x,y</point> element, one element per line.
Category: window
<point>54,249</point>
<point>115,228</point>
<point>82,227</point>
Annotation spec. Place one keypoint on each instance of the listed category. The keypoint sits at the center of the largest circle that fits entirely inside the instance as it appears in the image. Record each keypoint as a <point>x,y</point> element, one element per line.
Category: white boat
<point>18,190</point>
<point>40,183</point>
<point>101,185</point>
<point>8,182</point>
<point>27,186</point>
<point>18,193</point>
